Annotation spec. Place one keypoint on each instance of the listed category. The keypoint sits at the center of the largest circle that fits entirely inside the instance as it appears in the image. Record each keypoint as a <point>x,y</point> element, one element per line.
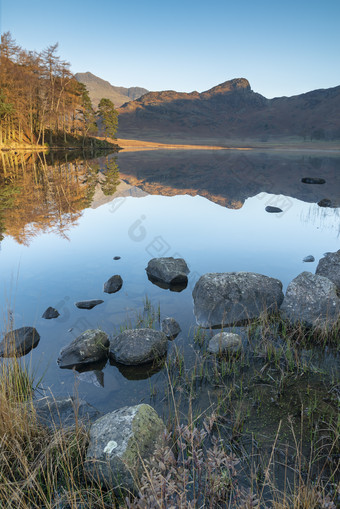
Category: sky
<point>283,48</point>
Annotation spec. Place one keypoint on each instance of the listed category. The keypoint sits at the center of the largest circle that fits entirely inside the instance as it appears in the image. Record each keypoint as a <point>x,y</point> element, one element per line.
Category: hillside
<point>232,110</point>
<point>99,88</point>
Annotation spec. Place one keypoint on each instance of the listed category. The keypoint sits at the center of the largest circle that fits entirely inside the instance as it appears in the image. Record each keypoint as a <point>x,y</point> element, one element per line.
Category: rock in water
<point>90,347</point>
<point>325,202</point>
<point>311,300</point>
<point>329,266</point>
<point>170,328</point>
<point>138,346</point>
<point>120,443</point>
<point>234,297</point>
<point>311,180</point>
<point>225,343</point>
<point>113,284</point>
<point>116,257</point>
<point>309,259</point>
<point>172,271</point>
<point>50,313</point>
<point>88,304</point>
<point>273,210</point>
<point>19,342</point>
<point>64,412</point>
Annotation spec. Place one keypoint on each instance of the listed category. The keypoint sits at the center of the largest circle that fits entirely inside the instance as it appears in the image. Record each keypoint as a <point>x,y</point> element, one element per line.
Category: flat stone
<point>138,346</point>
<point>116,257</point>
<point>172,271</point>
<point>273,210</point>
<point>311,180</point>
<point>91,347</point>
<point>311,300</point>
<point>19,342</point>
<point>113,284</point>
<point>50,313</point>
<point>88,304</point>
<point>64,412</point>
<point>170,328</point>
<point>329,266</point>
<point>232,298</point>
<point>225,343</point>
<point>120,442</point>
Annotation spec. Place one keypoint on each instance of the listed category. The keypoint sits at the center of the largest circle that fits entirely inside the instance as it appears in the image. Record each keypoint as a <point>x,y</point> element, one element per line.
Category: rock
<point>88,304</point>
<point>225,343</point>
<point>312,301</point>
<point>234,297</point>
<point>64,412</point>
<point>116,257</point>
<point>120,442</point>
<point>172,271</point>
<point>19,342</point>
<point>170,328</point>
<point>329,266</point>
<point>309,259</point>
<point>325,203</point>
<point>273,210</point>
<point>310,180</point>
<point>138,346</point>
<point>113,284</point>
<point>50,313</point>
<point>90,347</point>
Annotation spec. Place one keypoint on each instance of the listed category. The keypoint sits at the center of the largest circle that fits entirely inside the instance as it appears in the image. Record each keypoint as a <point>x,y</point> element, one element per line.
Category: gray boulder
<point>234,297</point>
<point>329,266</point>
<point>19,342</point>
<point>88,304</point>
<point>119,444</point>
<point>170,328</point>
<point>90,347</point>
<point>311,300</point>
<point>50,313</point>
<point>113,284</point>
<point>138,346</point>
<point>225,343</point>
<point>64,412</point>
<point>309,259</point>
<point>172,271</point>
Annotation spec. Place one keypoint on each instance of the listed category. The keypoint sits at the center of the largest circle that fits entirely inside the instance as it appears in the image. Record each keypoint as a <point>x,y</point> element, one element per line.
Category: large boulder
<point>113,284</point>
<point>120,442</point>
<point>311,300</point>
<point>64,412</point>
<point>234,297</point>
<point>138,346</point>
<point>90,347</point>
<point>329,266</point>
<point>19,342</point>
<point>171,271</point>
<point>225,343</point>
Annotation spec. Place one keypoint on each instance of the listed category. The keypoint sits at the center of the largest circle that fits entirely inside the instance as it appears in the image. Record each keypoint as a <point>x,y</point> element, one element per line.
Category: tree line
<point>42,103</point>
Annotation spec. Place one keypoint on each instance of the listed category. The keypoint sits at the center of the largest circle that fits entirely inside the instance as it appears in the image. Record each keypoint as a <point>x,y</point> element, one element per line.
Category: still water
<point>64,221</point>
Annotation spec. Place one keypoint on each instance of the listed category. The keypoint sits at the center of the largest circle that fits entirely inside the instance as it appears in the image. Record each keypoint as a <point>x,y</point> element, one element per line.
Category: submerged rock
<point>234,297</point>
<point>172,271</point>
<point>325,202</point>
<point>138,346</point>
<point>113,284</point>
<point>88,304</point>
<point>19,342</point>
<point>120,442</point>
<point>225,343</point>
<point>273,210</point>
<point>312,180</point>
<point>311,300</point>
<point>329,266</point>
<point>116,257</point>
<point>309,259</point>
<point>50,313</point>
<point>90,347</point>
<point>170,327</point>
<point>64,412</point>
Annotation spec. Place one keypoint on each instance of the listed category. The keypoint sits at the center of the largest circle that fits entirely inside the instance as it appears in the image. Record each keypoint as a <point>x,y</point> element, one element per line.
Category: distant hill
<point>99,88</point>
<point>232,110</point>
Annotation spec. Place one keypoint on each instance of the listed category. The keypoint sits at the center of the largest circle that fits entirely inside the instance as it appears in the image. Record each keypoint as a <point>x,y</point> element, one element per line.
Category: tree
<point>109,117</point>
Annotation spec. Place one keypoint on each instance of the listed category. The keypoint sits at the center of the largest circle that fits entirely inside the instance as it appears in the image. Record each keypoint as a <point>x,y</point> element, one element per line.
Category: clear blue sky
<point>282,47</point>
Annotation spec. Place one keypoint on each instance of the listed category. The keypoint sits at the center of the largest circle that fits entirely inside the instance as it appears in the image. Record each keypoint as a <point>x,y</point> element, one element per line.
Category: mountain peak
<point>228,86</point>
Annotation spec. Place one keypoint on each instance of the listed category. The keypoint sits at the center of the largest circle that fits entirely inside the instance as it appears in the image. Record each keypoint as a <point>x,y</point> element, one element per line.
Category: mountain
<point>99,88</point>
<point>232,110</point>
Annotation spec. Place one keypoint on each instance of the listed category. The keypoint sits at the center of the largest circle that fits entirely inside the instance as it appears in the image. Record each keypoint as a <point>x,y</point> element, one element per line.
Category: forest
<point>41,103</point>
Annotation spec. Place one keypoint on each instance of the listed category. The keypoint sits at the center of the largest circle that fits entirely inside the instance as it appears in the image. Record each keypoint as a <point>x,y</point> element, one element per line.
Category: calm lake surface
<point>64,221</point>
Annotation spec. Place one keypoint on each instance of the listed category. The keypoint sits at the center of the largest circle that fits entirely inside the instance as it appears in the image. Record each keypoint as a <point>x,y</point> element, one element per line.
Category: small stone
<point>273,210</point>
<point>88,304</point>
<point>309,259</point>
<point>170,328</point>
<point>113,284</point>
<point>325,203</point>
<point>90,347</point>
<point>311,180</point>
<point>225,343</point>
<point>50,313</point>
<point>19,342</point>
<point>171,271</point>
<point>116,257</point>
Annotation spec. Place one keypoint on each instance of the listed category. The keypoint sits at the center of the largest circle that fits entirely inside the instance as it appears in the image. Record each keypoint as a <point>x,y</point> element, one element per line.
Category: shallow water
<point>62,229</point>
